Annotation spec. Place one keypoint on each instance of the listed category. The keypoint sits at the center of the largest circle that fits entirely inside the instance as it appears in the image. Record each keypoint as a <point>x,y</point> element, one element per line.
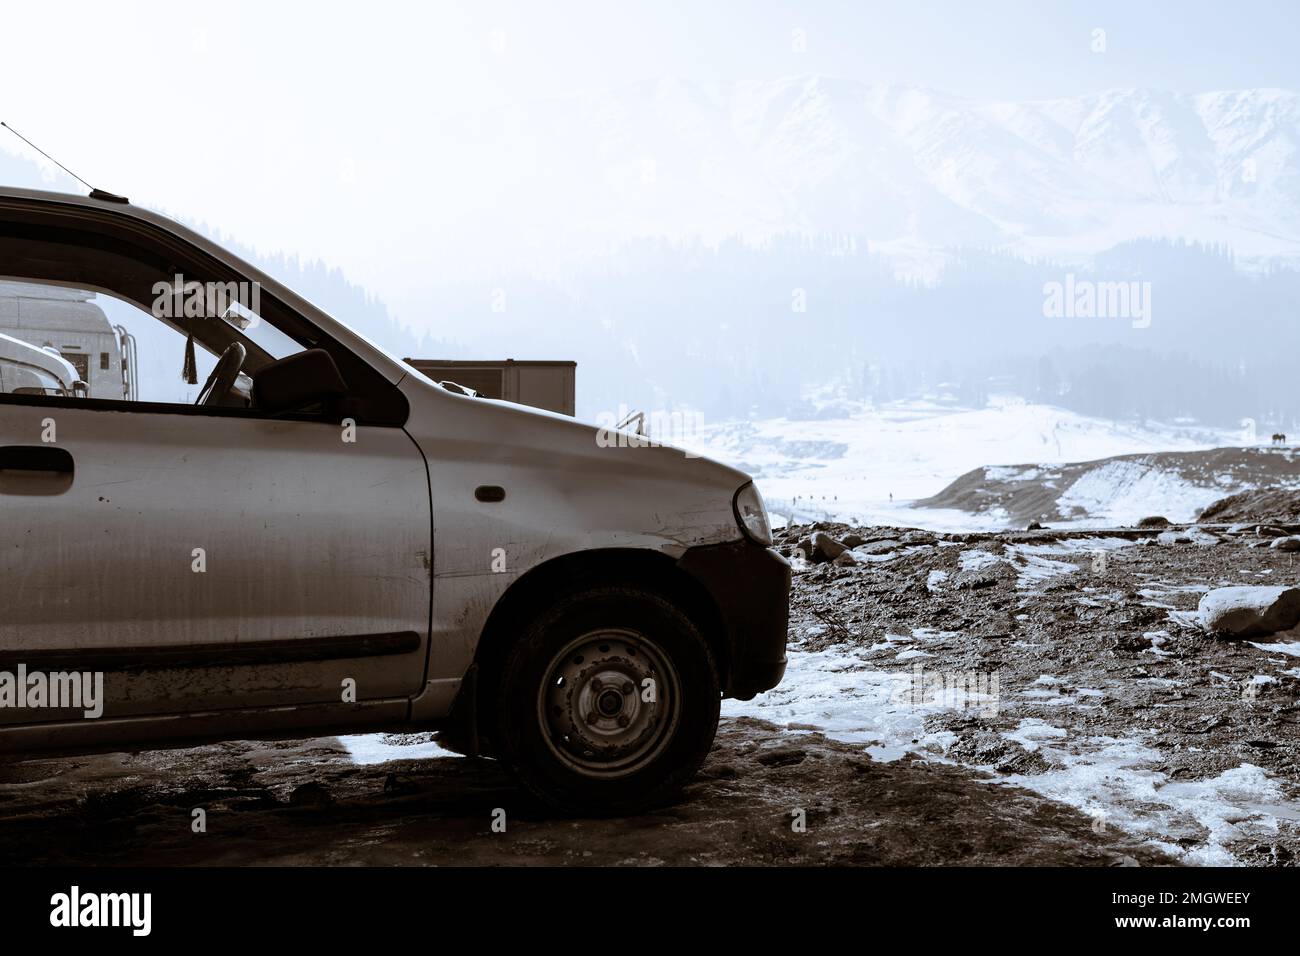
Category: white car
<point>28,370</point>
<point>348,547</point>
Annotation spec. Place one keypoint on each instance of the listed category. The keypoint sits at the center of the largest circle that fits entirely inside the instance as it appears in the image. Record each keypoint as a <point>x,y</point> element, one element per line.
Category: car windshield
<point>19,378</point>
<point>265,335</point>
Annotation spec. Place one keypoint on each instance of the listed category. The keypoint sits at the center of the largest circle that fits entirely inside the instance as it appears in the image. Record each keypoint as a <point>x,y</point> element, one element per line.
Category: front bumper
<point>750,585</point>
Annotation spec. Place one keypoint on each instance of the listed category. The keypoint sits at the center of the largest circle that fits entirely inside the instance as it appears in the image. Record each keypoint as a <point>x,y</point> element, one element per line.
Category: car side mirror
<point>298,382</point>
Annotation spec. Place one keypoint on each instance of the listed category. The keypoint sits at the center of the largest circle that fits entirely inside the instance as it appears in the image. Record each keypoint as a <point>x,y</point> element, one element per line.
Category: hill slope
<point>856,463</point>
<point>1123,489</point>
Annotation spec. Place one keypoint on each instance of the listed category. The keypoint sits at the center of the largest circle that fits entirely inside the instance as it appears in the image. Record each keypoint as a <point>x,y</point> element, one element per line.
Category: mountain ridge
<point>905,167</point>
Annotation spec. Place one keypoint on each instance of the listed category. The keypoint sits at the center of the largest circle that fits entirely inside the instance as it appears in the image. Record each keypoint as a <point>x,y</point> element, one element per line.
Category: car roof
<point>383,361</point>
<point>16,350</point>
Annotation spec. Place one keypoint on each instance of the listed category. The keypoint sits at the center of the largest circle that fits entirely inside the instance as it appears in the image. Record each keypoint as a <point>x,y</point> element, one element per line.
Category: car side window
<point>121,310</point>
<point>55,337</point>
<point>119,351</point>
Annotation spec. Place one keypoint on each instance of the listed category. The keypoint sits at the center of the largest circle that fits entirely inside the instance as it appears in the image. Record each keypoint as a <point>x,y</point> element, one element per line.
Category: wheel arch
<point>538,588</point>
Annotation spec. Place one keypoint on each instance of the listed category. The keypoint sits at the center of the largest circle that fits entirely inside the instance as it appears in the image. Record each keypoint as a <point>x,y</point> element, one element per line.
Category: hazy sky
<point>314,128</point>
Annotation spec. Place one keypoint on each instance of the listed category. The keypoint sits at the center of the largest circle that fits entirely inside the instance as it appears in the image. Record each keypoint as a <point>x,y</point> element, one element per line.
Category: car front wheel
<point>609,702</point>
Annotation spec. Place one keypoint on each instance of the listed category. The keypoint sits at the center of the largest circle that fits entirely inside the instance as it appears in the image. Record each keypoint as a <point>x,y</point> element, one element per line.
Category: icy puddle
<point>838,692</point>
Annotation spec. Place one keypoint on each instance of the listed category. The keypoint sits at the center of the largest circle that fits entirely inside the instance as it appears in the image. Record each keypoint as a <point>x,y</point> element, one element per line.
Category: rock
<point>393,783</point>
<point>987,748</point>
<point>845,559</point>
<point>1291,543</point>
<point>1140,615</point>
<point>722,771</point>
<point>1196,536</point>
<point>805,547</point>
<point>1249,611</point>
<point>785,755</point>
<point>1154,521</point>
<point>988,576</point>
<point>853,540</point>
<point>1033,526</point>
<point>1131,643</point>
<point>310,795</point>
<point>880,547</point>
<point>1267,531</point>
<point>916,536</point>
<point>826,548</point>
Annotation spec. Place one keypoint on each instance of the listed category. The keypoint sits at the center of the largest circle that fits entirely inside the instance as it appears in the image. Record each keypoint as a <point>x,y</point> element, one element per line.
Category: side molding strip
<point>244,653</point>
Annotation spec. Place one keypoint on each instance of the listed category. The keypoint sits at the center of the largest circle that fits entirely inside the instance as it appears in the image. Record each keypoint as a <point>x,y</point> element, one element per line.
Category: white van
<point>329,542</point>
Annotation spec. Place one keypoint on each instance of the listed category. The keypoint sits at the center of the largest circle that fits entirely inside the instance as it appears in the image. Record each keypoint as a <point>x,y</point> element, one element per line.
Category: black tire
<point>564,739</point>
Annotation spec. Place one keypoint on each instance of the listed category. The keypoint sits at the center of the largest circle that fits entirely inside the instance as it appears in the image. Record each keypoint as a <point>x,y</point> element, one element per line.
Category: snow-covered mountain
<point>913,171</point>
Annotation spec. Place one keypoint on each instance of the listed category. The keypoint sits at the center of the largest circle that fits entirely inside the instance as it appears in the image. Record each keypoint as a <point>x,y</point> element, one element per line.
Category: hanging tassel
<point>190,372</point>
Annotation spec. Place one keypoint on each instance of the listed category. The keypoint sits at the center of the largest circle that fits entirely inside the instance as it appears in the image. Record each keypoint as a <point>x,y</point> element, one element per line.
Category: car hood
<point>565,467</point>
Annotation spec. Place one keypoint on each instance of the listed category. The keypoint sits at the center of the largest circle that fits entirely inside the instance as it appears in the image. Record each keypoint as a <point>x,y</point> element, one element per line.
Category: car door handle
<point>490,493</point>
<point>35,458</point>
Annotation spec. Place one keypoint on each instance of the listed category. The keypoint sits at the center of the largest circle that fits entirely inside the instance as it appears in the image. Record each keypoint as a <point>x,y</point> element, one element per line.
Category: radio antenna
<point>95,193</point>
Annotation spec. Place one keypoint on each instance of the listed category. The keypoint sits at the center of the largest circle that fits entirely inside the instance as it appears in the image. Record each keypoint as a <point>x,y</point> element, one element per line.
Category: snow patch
<point>1109,778</point>
<point>1124,492</point>
<point>366,749</point>
<point>849,699</point>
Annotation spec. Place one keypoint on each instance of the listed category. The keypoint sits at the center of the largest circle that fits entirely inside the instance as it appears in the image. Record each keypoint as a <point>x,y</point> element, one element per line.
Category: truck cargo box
<point>541,384</point>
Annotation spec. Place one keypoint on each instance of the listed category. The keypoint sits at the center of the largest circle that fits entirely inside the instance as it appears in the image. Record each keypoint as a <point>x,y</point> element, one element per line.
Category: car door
<point>210,563</point>
<point>204,564</point>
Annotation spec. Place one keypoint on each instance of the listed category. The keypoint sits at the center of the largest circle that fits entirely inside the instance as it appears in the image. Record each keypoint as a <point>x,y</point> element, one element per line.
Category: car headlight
<point>751,514</point>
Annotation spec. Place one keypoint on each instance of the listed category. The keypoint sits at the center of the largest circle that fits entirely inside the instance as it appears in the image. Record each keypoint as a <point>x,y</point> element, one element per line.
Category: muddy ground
<point>307,803</point>
<point>1109,694</point>
<point>1088,658</point>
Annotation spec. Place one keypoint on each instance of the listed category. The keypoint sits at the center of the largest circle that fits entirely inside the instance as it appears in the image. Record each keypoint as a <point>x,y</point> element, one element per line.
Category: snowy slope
<point>1114,491</point>
<point>847,468</point>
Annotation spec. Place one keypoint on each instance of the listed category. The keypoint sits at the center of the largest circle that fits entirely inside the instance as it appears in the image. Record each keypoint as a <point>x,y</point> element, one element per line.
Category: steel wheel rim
<point>609,703</point>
